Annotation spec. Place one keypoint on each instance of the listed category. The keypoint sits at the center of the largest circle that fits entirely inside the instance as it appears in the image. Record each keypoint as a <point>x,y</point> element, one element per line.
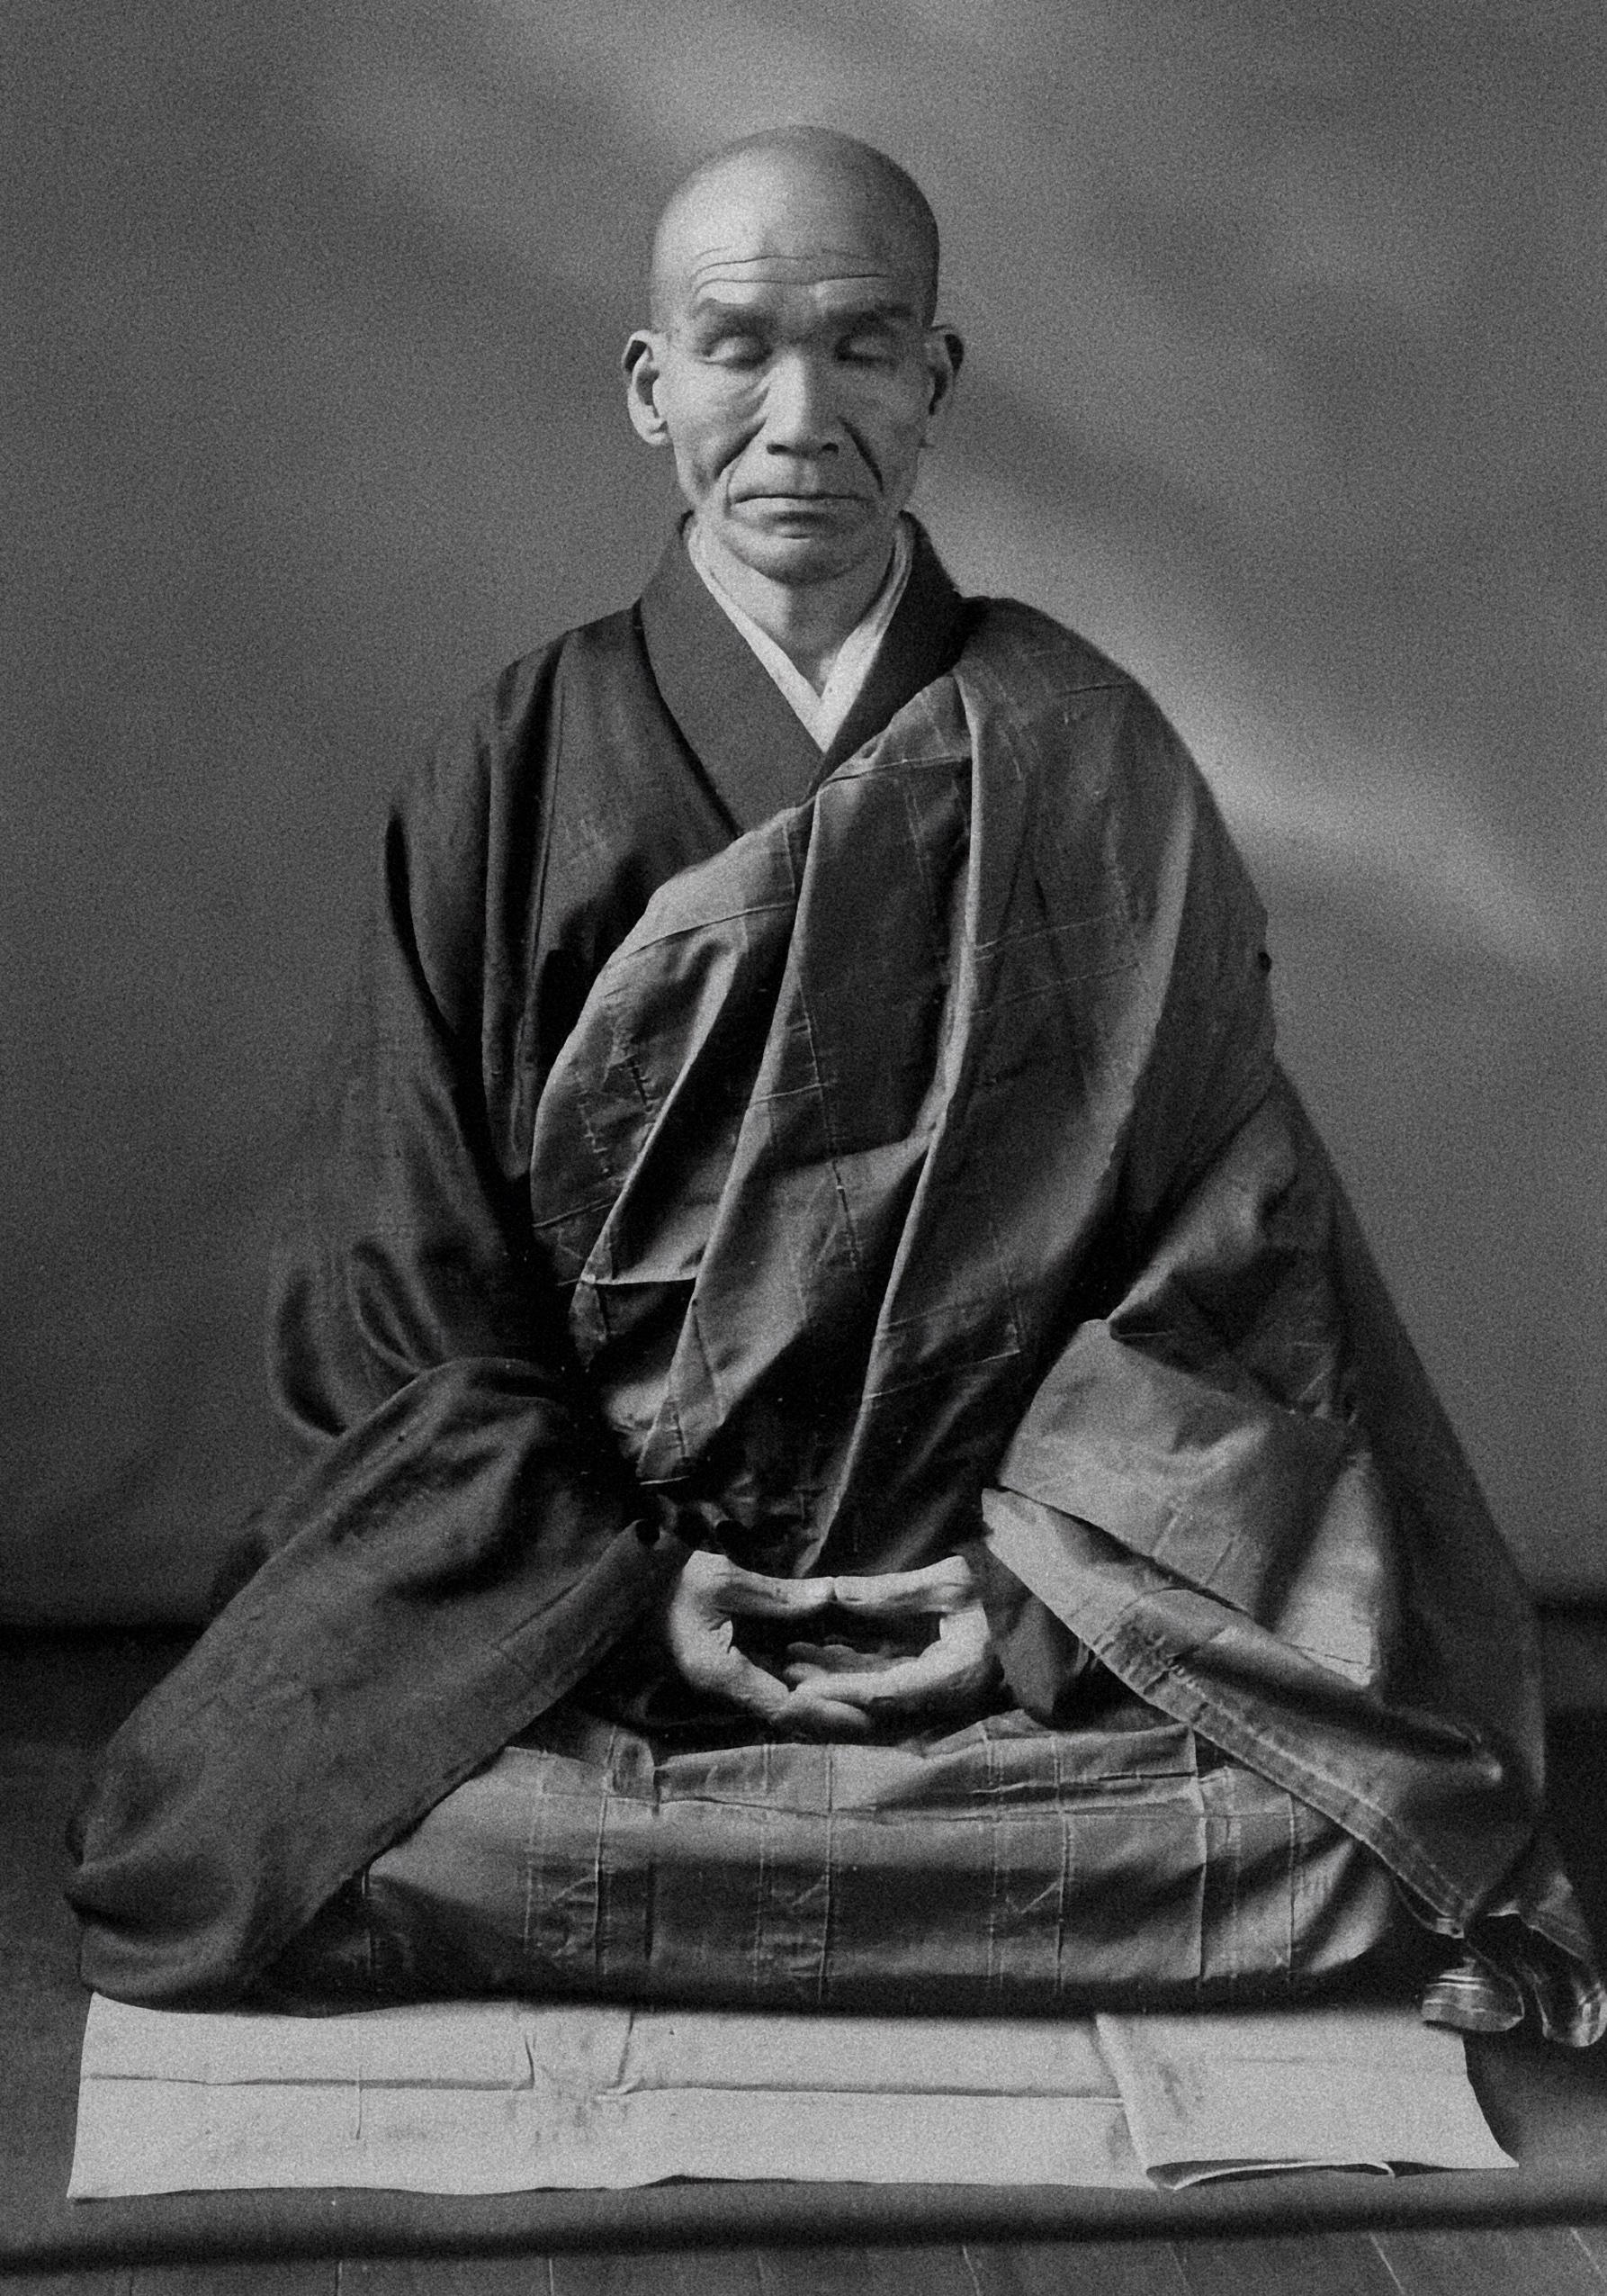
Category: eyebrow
<point>708,305</point>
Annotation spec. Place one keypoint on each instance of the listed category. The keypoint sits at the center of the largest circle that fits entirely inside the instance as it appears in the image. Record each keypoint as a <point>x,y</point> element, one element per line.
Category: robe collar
<point>735,719</point>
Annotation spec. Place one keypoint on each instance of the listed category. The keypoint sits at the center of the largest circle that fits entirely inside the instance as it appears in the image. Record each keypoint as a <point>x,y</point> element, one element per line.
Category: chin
<point>821,556</point>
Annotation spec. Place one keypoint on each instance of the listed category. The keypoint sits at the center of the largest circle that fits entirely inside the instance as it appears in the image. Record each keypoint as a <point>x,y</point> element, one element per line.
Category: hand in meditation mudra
<point>858,1681</point>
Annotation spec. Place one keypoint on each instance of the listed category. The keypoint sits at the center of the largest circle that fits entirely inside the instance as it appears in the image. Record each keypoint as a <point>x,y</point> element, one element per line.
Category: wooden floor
<point>1546,2261</point>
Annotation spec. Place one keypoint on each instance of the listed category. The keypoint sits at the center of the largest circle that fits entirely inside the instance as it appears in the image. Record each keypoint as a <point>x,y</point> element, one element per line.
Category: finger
<point>941,1587</point>
<point>839,1657</point>
<point>710,1661</point>
<point>939,1677</point>
<point>879,1688</point>
<point>810,1714</point>
<point>712,1581</point>
<point>748,1594</point>
<point>749,1687</point>
<point>966,1630</point>
<point>820,1681</point>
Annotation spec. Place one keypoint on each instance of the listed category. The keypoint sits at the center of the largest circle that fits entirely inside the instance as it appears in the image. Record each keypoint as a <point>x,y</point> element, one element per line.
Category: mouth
<point>790,500</point>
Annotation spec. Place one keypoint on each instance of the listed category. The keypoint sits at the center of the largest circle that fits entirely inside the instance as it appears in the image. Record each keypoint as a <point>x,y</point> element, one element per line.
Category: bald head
<point>824,195</point>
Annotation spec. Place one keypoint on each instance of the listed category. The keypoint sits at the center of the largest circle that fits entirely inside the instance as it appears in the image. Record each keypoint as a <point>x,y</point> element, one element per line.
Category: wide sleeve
<point>1238,1491</point>
<point>404,1238</point>
<point>458,1543</point>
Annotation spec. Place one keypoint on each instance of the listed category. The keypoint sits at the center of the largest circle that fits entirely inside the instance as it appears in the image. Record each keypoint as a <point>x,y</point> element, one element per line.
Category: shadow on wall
<point>1284,347</point>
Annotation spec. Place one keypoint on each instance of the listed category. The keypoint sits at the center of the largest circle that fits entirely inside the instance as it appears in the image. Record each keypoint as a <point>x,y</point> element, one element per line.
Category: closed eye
<point>735,347</point>
<point>869,346</point>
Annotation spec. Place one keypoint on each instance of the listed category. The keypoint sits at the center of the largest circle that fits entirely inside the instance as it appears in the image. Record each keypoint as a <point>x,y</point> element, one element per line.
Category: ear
<point>945,354</point>
<point>643,373</point>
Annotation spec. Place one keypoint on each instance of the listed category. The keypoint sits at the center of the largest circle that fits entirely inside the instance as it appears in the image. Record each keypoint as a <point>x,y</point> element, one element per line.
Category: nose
<point>801,415</point>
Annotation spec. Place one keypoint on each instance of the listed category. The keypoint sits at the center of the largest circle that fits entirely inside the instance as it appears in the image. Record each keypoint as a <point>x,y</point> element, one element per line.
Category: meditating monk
<point>849,1450</point>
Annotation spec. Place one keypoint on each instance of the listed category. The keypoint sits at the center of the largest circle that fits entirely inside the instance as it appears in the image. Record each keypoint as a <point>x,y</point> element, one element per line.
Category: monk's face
<point>791,369</point>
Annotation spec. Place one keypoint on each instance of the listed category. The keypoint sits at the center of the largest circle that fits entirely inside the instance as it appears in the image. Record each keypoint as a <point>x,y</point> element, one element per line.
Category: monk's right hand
<point>711,1593</point>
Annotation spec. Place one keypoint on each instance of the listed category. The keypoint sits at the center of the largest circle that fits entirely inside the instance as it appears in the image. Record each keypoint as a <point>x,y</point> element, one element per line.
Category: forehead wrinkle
<point>859,289</point>
<point>788,278</point>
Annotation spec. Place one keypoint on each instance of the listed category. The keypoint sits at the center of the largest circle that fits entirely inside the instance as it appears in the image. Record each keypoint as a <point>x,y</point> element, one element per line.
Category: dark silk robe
<point>768,1207</point>
<point>404,1623</point>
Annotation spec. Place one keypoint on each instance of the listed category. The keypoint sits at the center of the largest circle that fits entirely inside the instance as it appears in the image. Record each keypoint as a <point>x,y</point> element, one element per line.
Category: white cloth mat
<point>507,2096</point>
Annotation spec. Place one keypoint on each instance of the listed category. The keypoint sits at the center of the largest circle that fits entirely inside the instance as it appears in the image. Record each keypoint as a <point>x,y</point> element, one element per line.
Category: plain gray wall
<point>1287,337</point>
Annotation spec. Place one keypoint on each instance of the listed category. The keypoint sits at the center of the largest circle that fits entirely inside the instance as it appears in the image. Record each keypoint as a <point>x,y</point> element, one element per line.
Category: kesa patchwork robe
<point>896,1169</point>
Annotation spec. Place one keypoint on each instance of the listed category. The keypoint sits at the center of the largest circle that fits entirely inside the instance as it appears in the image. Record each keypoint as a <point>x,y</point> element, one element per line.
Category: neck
<point>808,621</point>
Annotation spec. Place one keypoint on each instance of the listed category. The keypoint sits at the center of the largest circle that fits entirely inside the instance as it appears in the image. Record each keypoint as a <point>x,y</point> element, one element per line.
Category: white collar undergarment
<point>822,715</point>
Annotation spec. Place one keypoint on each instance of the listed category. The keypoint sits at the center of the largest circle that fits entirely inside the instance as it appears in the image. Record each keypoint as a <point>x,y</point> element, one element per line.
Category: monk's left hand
<point>956,1674</point>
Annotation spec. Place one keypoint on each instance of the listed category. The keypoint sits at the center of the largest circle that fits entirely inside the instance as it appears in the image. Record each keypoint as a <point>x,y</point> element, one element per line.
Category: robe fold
<point>845,1162</point>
